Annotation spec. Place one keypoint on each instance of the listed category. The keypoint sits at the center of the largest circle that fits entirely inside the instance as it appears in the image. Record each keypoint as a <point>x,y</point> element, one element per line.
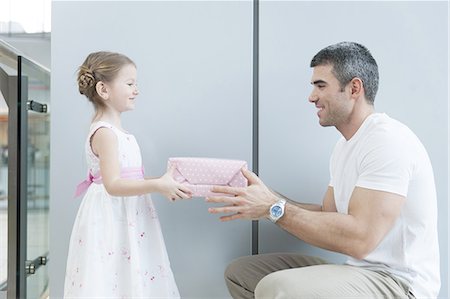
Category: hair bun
<point>86,81</point>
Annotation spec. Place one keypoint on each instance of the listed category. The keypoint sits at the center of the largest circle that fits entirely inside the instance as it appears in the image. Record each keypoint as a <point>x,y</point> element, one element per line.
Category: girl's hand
<point>172,189</point>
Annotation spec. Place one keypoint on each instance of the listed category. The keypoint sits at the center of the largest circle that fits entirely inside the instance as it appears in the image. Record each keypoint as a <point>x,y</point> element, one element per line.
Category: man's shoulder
<point>386,129</point>
<point>390,139</point>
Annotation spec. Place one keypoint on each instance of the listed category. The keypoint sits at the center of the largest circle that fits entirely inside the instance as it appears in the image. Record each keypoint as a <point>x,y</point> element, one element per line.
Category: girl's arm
<point>104,144</point>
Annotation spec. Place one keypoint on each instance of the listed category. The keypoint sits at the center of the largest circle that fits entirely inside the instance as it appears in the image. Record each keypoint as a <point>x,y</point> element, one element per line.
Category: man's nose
<point>312,98</point>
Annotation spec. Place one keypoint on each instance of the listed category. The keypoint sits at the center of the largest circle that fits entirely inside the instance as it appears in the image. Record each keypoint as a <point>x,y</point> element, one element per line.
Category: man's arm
<point>371,214</point>
<point>306,206</point>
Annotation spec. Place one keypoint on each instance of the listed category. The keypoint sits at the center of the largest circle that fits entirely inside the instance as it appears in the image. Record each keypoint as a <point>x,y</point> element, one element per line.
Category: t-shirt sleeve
<point>385,166</point>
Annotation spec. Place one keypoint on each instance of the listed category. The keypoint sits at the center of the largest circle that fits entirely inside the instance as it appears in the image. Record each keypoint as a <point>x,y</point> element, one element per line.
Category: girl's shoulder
<point>99,124</point>
<point>104,124</point>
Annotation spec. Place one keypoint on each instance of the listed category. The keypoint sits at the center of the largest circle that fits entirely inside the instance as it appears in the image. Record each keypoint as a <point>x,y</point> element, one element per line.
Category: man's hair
<point>350,60</point>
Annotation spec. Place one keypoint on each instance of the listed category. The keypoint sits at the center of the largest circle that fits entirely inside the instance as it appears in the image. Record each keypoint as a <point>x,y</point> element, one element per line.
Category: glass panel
<point>7,84</point>
<point>3,189</point>
<point>36,92</point>
<point>37,284</point>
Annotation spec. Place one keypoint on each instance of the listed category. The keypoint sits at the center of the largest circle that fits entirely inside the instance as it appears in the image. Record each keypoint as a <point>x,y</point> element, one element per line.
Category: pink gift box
<point>201,174</point>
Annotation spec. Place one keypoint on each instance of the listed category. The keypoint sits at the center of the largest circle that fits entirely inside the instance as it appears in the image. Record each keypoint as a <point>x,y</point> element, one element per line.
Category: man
<point>379,208</point>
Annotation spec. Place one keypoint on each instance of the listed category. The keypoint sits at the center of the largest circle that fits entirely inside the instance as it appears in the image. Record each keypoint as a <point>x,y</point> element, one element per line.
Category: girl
<point>117,249</point>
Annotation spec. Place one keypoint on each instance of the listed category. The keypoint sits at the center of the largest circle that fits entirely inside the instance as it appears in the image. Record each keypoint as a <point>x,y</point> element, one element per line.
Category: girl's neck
<point>109,117</point>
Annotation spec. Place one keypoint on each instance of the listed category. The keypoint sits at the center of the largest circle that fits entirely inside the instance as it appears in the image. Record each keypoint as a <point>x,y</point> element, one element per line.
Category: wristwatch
<point>276,211</point>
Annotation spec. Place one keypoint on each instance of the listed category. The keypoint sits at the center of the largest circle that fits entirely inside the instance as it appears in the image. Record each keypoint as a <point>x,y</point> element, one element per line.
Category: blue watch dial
<point>276,211</point>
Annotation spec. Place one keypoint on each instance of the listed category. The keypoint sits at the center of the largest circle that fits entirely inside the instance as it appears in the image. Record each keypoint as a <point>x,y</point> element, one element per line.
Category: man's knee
<point>239,278</point>
<point>235,268</point>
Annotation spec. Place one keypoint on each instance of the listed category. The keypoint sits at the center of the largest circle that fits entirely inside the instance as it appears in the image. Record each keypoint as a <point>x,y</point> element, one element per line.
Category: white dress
<point>117,248</point>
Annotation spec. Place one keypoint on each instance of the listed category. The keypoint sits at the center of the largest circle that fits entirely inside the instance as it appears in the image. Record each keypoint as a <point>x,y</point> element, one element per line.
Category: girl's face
<point>123,89</point>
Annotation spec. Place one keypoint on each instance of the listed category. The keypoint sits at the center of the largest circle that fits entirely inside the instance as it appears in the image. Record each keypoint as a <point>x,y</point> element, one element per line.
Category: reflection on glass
<point>34,147</point>
<point>37,87</point>
<point>3,189</point>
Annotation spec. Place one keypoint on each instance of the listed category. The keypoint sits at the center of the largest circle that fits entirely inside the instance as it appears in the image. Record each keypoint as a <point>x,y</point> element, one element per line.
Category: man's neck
<point>355,121</point>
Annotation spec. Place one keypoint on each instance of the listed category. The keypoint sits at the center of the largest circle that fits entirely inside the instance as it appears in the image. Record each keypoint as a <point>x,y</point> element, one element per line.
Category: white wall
<point>194,75</point>
<point>194,67</point>
<point>408,39</point>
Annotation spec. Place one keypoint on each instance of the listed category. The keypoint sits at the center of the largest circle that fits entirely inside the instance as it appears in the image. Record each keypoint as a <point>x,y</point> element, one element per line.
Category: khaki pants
<point>294,276</point>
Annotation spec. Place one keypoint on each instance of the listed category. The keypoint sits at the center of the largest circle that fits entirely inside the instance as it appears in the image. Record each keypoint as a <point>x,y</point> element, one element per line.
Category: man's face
<point>334,104</point>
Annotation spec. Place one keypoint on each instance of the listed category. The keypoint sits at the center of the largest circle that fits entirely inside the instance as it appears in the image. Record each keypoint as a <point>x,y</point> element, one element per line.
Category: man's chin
<point>323,123</point>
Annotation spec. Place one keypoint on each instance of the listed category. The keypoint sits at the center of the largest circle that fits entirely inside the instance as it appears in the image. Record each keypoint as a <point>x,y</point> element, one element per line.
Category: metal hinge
<point>37,107</point>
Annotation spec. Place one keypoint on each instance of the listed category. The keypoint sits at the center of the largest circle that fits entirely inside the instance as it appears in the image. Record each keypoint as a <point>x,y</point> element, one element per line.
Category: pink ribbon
<point>125,173</point>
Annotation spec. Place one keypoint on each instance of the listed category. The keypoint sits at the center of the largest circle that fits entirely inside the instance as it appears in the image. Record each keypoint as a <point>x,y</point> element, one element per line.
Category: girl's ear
<point>102,90</point>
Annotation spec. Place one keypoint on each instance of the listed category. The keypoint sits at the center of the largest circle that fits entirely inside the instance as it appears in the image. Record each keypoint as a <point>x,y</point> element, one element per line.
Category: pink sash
<point>125,173</point>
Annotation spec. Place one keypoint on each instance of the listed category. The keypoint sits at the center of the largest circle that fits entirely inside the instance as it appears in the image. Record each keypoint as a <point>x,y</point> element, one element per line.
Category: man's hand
<point>251,202</point>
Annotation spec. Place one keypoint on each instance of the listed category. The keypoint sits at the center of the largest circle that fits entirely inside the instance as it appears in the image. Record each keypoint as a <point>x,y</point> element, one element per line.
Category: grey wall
<point>408,39</point>
<point>194,71</point>
<point>194,75</point>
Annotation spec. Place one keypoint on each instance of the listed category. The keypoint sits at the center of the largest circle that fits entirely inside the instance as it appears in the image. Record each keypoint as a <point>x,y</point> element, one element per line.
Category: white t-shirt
<point>386,155</point>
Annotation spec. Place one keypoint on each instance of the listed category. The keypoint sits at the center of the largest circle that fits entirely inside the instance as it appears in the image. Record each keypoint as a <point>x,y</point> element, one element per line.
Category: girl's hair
<point>99,66</point>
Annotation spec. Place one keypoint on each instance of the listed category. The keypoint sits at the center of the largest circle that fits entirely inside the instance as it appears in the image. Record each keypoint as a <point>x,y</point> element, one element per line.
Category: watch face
<point>276,211</point>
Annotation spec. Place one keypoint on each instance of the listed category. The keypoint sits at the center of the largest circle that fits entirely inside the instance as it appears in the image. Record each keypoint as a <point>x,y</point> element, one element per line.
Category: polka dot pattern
<point>200,174</point>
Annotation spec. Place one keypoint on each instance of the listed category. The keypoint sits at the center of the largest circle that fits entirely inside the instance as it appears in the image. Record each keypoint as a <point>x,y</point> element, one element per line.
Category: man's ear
<point>357,87</point>
<point>102,90</point>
